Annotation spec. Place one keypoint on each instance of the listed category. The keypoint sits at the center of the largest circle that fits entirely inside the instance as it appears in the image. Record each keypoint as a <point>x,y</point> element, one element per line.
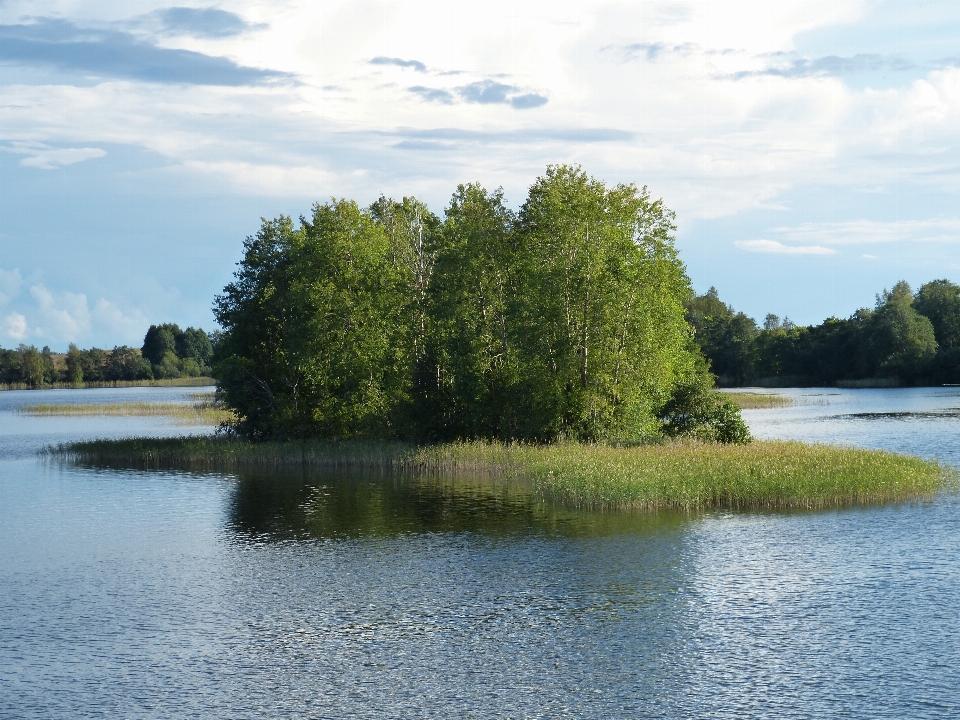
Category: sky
<point>809,149</point>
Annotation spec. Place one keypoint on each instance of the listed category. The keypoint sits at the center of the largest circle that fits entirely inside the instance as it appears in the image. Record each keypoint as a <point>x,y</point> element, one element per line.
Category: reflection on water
<point>163,594</point>
<point>294,505</point>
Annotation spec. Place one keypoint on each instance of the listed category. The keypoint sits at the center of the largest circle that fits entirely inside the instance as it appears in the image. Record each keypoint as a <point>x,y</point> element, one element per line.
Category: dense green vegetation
<point>907,338</point>
<point>168,353</point>
<point>565,320</point>
<point>679,474</point>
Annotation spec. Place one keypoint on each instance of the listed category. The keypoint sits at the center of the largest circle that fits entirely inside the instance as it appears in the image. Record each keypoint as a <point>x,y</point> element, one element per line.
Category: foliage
<point>695,410</point>
<point>724,336</point>
<point>29,367</point>
<point>315,328</point>
<point>905,338</point>
<point>174,353</point>
<point>565,321</point>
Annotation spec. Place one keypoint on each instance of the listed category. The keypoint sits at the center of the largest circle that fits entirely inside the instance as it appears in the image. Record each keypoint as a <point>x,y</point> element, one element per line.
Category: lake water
<point>159,594</point>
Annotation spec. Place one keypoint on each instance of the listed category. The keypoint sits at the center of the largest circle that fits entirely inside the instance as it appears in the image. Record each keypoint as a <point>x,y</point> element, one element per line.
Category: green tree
<point>125,363</point>
<point>313,329</point>
<point>194,343</point>
<point>94,364</point>
<point>159,340</point>
<point>33,369</point>
<point>601,335</point>
<point>464,382</point>
<point>725,337</point>
<point>74,365</point>
<point>169,366</point>
<point>901,339</point>
<point>567,321</point>
<point>939,301</point>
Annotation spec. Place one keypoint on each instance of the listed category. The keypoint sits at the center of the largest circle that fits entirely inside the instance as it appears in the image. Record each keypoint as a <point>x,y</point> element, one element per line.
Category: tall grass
<point>682,475</point>
<point>754,401</point>
<point>203,412</point>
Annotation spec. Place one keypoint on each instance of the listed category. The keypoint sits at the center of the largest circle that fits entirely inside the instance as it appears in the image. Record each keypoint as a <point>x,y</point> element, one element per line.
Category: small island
<point>551,346</point>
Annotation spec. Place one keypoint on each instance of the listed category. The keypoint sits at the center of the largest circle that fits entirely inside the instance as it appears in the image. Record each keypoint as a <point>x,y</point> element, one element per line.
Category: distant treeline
<point>907,338</point>
<point>167,353</point>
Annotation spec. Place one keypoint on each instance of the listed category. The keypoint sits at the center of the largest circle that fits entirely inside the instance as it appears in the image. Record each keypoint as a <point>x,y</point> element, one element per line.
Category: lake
<point>163,594</point>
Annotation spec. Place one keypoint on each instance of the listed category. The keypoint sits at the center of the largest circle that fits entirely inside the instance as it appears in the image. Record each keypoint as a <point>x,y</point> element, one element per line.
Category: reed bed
<point>679,475</point>
<point>757,401</point>
<point>196,413</point>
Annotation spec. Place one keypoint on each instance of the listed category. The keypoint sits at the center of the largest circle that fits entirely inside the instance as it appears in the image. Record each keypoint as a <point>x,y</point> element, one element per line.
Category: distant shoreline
<point>168,382</point>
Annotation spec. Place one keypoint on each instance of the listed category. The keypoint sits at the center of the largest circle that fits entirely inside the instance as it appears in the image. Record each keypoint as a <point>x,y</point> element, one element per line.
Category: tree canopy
<point>906,338</point>
<point>565,320</point>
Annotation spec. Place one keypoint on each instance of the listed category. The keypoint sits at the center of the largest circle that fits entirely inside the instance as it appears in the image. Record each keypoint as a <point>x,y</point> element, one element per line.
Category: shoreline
<point>169,382</point>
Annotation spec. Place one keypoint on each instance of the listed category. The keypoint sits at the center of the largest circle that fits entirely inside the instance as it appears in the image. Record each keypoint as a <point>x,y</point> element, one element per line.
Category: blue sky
<point>810,150</point>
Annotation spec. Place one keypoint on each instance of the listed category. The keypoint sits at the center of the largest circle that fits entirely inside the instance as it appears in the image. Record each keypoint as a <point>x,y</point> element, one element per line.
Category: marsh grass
<point>201,412</point>
<point>756,401</point>
<point>679,475</point>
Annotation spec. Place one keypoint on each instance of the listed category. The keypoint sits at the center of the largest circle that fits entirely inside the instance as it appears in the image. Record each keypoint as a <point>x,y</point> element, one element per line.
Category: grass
<point>170,382</point>
<point>680,475</point>
<point>755,401</point>
<point>200,412</point>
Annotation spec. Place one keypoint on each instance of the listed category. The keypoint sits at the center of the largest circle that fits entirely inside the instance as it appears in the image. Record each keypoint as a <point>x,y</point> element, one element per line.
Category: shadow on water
<point>274,506</point>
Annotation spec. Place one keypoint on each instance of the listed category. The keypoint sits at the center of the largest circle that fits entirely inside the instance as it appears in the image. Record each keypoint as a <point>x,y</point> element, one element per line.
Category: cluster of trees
<point>173,353</point>
<point>565,320</point>
<point>29,366</point>
<point>906,338</point>
<point>167,352</point>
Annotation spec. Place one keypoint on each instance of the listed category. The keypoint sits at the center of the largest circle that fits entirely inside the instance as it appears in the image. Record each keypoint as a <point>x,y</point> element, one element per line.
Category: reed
<point>756,401</point>
<point>681,475</point>
<point>201,412</point>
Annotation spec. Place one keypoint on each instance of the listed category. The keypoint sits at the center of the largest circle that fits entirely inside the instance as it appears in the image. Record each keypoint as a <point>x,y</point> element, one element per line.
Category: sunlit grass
<point>196,413</point>
<point>768,474</point>
<point>756,401</point>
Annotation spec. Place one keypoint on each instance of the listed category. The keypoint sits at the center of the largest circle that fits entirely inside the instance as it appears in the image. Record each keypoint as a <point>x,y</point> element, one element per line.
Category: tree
<point>194,343</point>
<point>159,340</point>
<point>464,381</point>
<point>600,324</point>
<point>313,329</point>
<point>901,339</point>
<point>566,321</point>
<point>33,369</point>
<point>125,363</point>
<point>939,301</point>
<point>74,365</point>
<point>725,337</point>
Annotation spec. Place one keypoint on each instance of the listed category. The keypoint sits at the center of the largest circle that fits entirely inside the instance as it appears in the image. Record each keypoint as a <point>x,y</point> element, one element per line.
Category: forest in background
<point>167,353</point>
<point>906,338</point>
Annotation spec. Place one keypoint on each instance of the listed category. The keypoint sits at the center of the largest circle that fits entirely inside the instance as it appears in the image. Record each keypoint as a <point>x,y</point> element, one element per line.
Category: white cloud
<point>867,232</point>
<point>64,316</point>
<point>44,157</point>
<point>10,282</point>
<point>15,326</point>
<point>110,320</point>
<point>772,246</point>
<point>53,159</point>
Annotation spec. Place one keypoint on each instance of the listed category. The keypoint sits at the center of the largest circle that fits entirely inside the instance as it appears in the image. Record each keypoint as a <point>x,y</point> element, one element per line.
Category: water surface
<point>158,594</point>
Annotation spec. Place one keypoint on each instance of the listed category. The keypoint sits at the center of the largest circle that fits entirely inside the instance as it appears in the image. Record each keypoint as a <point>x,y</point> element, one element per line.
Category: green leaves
<point>564,321</point>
